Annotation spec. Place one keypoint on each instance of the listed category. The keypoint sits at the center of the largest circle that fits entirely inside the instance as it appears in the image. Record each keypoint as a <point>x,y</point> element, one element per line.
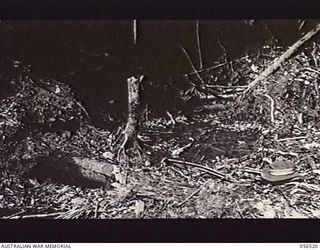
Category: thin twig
<point>313,70</point>
<point>199,45</point>
<point>74,213</point>
<point>85,111</point>
<point>251,170</point>
<point>224,50</point>
<point>96,210</point>
<point>173,121</point>
<point>293,138</point>
<point>206,69</point>
<point>122,148</point>
<point>179,172</point>
<point>203,168</point>
<point>13,216</point>
<point>307,186</point>
<point>302,24</point>
<point>39,215</point>
<point>159,132</point>
<point>227,87</point>
<point>278,151</point>
<point>215,66</point>
<point>193,194</point>
<point>191,63</point>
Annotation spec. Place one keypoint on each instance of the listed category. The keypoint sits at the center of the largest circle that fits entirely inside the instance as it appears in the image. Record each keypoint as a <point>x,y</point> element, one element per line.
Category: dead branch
<point>201,167</point>
<point>206,69</point>
<point>215,66</point>
<point>192,65</point>
<point>37,215</point>
<point>276,64</point>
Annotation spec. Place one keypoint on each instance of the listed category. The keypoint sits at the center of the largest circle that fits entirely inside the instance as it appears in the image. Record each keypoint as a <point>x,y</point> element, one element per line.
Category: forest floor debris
<point>43,118</point>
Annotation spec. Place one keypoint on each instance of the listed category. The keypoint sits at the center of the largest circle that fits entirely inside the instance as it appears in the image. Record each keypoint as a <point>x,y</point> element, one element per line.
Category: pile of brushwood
<point>210,164</point>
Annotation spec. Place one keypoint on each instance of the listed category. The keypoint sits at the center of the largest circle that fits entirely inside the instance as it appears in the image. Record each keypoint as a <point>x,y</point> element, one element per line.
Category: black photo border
<point>159,230</point>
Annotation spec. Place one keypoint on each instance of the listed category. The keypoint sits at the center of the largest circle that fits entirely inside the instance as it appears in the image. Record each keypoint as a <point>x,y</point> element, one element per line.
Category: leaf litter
<point>43,118</point>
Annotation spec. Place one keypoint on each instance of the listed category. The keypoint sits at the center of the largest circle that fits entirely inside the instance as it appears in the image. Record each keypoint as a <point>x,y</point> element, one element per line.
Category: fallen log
<point>79,171</point>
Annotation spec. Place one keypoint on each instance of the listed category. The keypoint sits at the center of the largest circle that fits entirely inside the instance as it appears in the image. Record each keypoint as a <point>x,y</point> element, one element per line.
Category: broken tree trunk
<point>131,130</point>
<point>133,104</point>
<point>276,64</point>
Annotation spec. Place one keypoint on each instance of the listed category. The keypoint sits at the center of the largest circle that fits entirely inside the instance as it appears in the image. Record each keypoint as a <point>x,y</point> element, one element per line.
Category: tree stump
<point>133,104</point>
<point>132,127</point>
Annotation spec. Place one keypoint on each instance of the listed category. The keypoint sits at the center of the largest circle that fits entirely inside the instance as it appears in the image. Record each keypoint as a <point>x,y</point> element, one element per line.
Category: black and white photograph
<point>160,119</point>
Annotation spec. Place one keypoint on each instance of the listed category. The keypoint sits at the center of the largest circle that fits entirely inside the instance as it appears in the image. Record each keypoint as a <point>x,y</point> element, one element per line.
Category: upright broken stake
<point>133,104</point>
<point>132,126</point>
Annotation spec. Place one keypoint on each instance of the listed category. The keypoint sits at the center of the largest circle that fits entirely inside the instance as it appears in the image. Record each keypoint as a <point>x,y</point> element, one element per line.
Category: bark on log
<point>77,171</point>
